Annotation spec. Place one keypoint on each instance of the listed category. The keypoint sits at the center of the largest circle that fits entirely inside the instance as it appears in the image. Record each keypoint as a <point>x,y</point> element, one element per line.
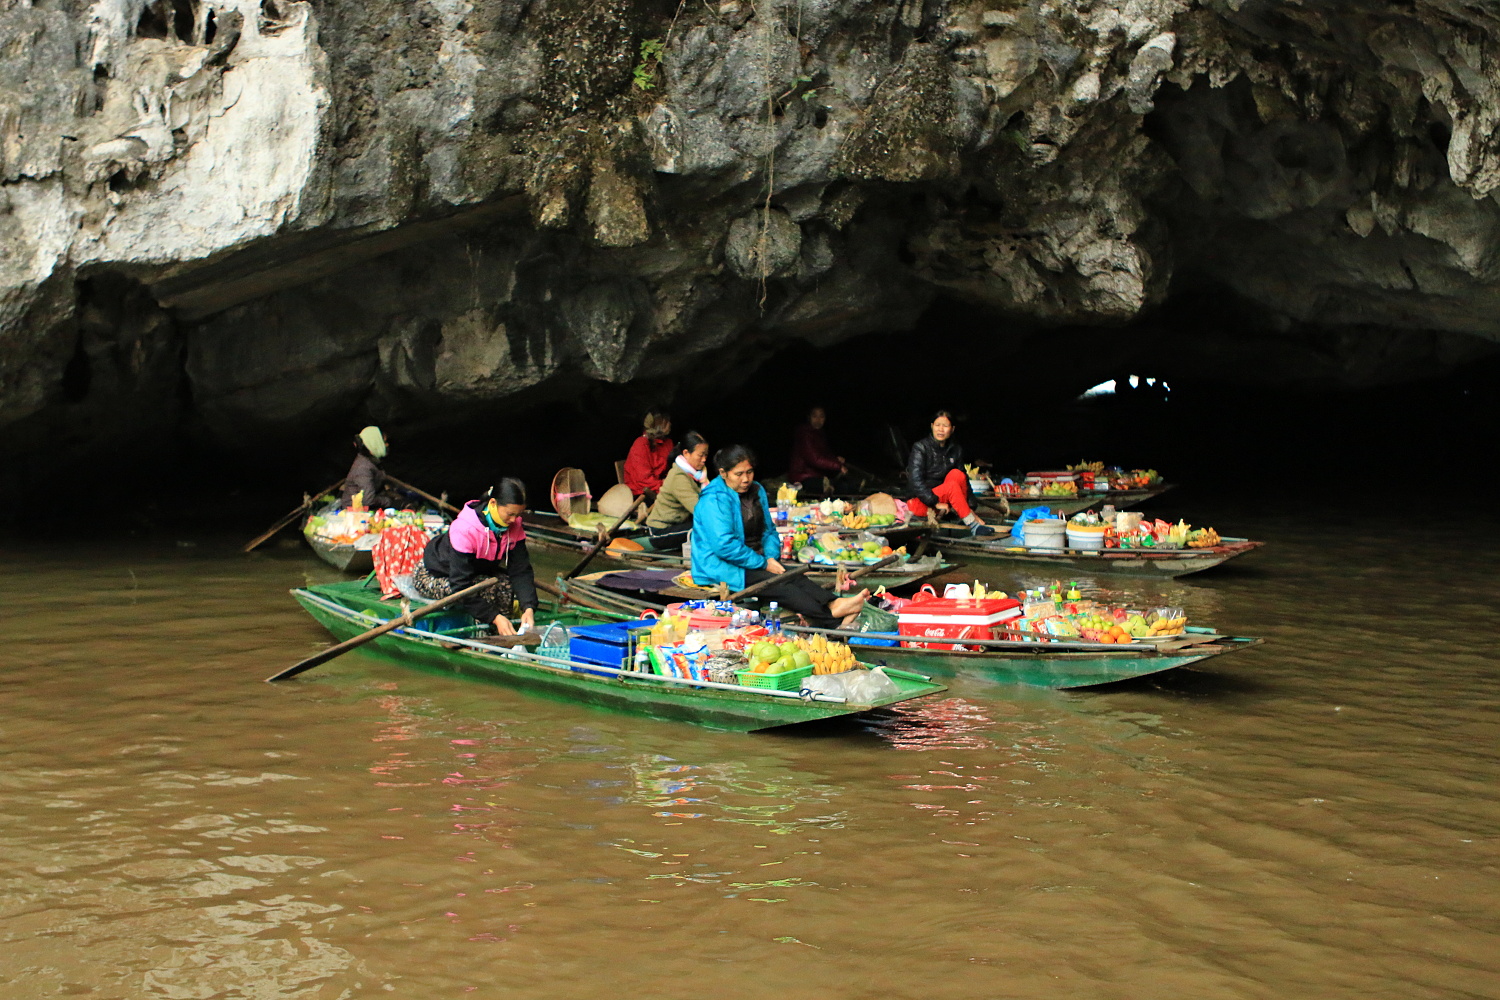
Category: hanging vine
<point>768,68</point>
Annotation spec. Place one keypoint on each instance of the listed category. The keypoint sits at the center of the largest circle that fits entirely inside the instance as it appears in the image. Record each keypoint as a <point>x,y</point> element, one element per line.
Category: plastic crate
<point>787,680</point>
<point>606,645</point>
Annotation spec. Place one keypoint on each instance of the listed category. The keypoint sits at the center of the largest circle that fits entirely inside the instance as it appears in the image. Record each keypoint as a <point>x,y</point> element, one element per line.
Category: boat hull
<point>1067,506</point>
<point>744,710</point>
<point>1166,563</point>
<point>1034,667</point>
<point>1059,671</point>
<point>345,558</point>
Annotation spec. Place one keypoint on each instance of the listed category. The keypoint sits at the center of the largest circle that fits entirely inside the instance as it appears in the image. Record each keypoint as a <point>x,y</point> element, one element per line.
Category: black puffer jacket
<point>930,462</point>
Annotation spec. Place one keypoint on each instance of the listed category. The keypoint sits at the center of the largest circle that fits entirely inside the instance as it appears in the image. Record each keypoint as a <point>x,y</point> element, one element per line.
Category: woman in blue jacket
<point>735,542</point>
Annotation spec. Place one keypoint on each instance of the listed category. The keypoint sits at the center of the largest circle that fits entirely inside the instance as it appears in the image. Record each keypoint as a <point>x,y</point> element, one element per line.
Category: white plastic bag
<point>831,685</point>
<point>859,687</point>
<point>866,687</point>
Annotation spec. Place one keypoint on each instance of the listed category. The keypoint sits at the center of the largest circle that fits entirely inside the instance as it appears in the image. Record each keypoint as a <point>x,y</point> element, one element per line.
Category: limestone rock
<point>246,215</point>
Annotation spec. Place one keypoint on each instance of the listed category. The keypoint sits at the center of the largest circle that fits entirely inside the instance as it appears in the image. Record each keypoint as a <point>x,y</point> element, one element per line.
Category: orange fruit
<point>1106,637</point>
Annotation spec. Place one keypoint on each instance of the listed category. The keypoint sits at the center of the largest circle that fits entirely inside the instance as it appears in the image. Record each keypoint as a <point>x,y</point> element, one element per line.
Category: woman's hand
<point>942,509</point>
<point>503,625</point>
<point>528,620</point>
<point>772,566</point>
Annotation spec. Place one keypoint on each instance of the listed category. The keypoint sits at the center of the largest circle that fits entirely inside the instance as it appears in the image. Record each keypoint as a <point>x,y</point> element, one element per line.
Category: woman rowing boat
<point>486,539</point>
<point>935,474</point>
<point>734,537</point>
<point>671,517</point>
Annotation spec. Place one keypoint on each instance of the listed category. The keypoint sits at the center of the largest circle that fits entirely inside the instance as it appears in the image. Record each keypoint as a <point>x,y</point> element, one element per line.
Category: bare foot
<point>846,606</point>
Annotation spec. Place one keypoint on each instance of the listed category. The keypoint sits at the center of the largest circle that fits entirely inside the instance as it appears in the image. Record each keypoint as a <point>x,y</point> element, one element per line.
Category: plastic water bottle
<point>773,618</point>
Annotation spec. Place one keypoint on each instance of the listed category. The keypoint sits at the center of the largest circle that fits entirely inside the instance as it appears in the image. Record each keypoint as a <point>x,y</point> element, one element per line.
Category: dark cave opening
<point>77,376</point>
<point>1224,426</point>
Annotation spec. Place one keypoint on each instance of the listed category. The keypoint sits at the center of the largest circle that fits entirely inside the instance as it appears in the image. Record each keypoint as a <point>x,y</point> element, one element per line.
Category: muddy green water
<point>1314,818</point>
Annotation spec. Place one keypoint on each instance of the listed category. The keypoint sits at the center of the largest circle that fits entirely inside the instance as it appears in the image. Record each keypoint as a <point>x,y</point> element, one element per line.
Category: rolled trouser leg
<point>954,491</point>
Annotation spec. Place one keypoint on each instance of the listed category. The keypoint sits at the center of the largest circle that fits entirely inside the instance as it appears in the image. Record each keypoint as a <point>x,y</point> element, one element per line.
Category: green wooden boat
<point>348,609</point>
<point>1001,550</point>
<point>1053,664</point>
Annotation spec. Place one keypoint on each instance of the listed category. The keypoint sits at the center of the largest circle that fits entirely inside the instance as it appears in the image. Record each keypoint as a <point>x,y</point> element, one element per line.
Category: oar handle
<point>442,504</point>
<point>289,518</point>
<point>398,622</point>
<point>756,588</point>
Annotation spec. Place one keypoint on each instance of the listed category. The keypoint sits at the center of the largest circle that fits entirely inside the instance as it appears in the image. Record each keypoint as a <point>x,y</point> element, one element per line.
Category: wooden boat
<point>349,609</point>
<point>1067,506</point>
<point>917,570</point>
<point>1001,549</point>
<point>552,532</point>
<point>345,558</point>
<point>1049,664</point>
<point>348,558</point>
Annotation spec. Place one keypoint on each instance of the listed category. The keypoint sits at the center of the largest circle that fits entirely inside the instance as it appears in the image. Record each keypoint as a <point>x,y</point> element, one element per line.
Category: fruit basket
<point>785,680</point>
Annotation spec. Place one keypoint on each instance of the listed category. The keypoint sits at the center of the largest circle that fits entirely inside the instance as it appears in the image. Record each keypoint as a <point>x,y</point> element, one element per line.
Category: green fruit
<point>802,660</point>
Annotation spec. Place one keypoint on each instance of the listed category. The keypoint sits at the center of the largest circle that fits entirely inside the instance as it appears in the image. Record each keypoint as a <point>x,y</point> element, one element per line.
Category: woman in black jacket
<point>486,539</point>
<point>935,474</point>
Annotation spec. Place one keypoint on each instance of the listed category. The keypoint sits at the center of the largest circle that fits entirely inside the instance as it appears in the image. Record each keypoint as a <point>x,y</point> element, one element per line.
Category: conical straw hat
<point>570,493</point>
<point>616,500</point>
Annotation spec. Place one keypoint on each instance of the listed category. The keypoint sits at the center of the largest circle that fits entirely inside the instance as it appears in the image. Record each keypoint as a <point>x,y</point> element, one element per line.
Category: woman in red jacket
<point>650,455</point>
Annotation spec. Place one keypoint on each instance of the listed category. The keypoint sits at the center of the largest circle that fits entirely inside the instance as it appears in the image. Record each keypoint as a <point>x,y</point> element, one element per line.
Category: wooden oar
<point>395,623</point>
<point>602,542</point>
<point>557,594</point>
<point>258,539</point>
<point>756,588</point>
<point>442,504</point>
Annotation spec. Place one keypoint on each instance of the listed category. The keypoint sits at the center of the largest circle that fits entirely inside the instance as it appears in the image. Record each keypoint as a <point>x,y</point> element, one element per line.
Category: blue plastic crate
<point>604,645</point>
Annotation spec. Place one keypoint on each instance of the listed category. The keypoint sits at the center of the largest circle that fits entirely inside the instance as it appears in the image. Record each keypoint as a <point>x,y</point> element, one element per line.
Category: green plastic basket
<point>787,680</point>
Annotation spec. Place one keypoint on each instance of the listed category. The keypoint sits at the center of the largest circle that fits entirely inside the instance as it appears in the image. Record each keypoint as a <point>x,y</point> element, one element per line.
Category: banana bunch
<point>1204,538</point>
<point>1177,534</point>
<point>856,521</point>
<point>1087,467</point>
<point>830,657</point>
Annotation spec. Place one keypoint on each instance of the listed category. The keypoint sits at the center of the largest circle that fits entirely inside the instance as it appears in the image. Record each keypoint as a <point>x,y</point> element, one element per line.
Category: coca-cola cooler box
<point>953,620</point>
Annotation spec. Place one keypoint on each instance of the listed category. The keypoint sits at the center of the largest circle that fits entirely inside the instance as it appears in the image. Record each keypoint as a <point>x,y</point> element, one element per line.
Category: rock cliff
<point>262,212</point>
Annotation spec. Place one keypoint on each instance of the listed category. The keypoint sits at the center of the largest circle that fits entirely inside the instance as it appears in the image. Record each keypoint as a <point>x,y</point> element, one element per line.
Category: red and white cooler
<point>953,620</point>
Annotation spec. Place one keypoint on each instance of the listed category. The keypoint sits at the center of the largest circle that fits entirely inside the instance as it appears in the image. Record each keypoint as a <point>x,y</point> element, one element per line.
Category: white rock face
<point>249,137</point>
